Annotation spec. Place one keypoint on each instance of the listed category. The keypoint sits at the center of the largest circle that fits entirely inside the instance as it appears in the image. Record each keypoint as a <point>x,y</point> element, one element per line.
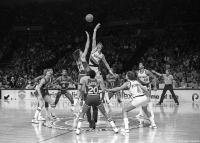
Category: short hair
<point>131,75</point>
<point>64,70</point>
<point>92,74</point>
<point>76,54</point>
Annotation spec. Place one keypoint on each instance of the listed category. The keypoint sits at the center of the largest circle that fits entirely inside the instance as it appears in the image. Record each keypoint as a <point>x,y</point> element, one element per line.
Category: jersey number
<point>93,90</point>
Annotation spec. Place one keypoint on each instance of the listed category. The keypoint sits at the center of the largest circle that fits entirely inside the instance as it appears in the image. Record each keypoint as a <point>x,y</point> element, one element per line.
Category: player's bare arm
<point>153,71</point>
<point>87,45</point>
<point>94,36</point>
<point>107,65</point>
<point>124,86</point>
<point>152,77</point>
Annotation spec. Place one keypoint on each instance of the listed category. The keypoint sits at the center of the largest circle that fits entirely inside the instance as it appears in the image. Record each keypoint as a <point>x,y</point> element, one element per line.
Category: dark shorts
<point>93,100</point>
<point>64,91</point>
<point>44,92</point>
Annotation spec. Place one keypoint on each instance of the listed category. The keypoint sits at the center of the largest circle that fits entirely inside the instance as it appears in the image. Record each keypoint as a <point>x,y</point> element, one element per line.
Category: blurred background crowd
<point>37,35</point>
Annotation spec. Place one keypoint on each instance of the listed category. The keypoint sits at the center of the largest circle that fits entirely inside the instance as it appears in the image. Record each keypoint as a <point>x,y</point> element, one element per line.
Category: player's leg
<point>103,111</point>
<point>141,113</point>
<point>118,94</point>
<point>84,110</point>
<point>136,102</point>
<point>38,110</point>
<point>162,95</point>
<point>148,111</point>
<point>70,98</point>
<point>58,95</point>
<point>173,94</point>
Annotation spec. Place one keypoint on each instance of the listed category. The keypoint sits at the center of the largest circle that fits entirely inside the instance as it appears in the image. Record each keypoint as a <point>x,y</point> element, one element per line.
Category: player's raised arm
<point>107,65</point>
<point>153,71</point>
<point>87,45</point>
<point>94,42</point>
<point>124,86</point>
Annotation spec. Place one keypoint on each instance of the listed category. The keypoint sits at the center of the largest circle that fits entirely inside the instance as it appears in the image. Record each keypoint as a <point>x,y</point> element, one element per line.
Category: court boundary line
<point>54,137</point>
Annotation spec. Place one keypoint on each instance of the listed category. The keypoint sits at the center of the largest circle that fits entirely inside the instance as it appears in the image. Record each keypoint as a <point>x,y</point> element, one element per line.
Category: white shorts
<point>140,101</point>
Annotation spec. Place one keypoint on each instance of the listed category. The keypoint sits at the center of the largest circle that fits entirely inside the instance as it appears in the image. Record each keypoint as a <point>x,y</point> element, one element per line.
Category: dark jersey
<point>82,67</point>
<point>112,81</point>
<point>64,81</point>
<point>92,87</point>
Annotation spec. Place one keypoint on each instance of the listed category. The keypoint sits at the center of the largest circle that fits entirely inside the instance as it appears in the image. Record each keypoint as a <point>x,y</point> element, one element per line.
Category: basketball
<point>89,17</point>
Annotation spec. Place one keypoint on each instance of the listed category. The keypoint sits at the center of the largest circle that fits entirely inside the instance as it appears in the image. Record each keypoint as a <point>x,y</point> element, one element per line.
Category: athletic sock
<point>112,124</point>
<point>37,112</point>
<point>126,123</point>
<point>79,125</point>
<point>75,101</point>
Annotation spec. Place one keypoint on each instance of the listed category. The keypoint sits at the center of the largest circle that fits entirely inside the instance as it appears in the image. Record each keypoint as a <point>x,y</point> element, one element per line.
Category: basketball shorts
<point>140,101</point>
<point>93,100</point>
<point>44,92</point>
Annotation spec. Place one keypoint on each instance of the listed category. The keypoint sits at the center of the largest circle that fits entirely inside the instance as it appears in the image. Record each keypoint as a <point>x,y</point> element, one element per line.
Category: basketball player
<point>91,85</point>
<point>63,81</point>
<point>144,77</point>
<point>113,81</point>
<point>80,58</point>
<point>37,81</point>
<point>96,55</point>
<point>43,94</point>
<point>140,98</point>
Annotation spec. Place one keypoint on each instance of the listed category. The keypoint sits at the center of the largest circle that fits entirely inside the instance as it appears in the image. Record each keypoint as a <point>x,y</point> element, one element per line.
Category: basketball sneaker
<point>116,130</point>
<point>153,124</point>
<point>78,131</point>
<point>35,121</point>
<point>124,130</point>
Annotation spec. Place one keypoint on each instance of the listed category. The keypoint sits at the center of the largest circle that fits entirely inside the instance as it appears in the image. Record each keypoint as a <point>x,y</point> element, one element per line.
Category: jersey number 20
<point>93,90</point>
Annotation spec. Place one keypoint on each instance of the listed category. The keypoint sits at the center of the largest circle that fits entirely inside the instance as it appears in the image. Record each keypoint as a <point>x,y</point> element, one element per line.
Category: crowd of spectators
<point>27,50</point>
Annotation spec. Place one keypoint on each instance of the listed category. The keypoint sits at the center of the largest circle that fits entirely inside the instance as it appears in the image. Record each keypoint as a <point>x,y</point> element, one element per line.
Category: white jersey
<point>134,89</point>
<point>95,58</point>
<point>143,76</point>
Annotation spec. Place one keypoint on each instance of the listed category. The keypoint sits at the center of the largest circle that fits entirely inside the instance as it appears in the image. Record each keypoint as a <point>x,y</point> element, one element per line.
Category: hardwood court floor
<point>175,125</point>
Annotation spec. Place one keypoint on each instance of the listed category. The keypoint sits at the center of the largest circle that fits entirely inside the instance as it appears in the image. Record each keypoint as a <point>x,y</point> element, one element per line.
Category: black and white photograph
<point>99,71</point>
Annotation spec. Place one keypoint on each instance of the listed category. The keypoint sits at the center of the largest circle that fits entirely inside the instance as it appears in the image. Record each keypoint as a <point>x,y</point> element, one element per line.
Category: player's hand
<point>87,34</point>
<point>97,26</point>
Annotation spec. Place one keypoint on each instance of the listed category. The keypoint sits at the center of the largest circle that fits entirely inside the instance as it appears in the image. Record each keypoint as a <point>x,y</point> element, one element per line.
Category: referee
<point>168,78</point>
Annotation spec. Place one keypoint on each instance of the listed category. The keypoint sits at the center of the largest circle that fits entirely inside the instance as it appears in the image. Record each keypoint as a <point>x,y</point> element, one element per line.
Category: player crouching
<point>43,94</point>
<point>91,85</point>
<point>139,95</point>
